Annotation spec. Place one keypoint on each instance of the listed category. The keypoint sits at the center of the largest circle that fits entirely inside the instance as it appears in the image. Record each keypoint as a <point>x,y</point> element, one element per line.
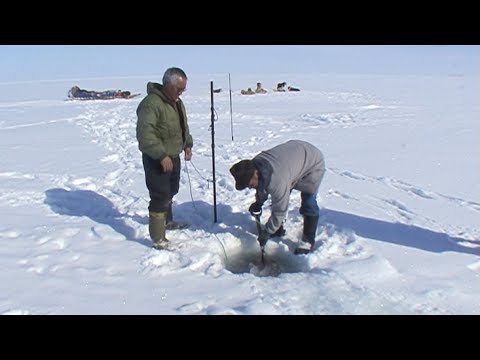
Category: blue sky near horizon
<point>37,62</point>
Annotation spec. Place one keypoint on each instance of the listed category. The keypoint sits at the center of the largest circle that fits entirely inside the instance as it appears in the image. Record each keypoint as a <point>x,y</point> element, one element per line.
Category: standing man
<point>162,134</point>
<point>276,172</point>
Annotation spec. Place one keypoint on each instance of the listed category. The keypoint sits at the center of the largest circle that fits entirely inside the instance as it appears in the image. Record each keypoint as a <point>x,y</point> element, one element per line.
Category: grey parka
<point>295,165</point>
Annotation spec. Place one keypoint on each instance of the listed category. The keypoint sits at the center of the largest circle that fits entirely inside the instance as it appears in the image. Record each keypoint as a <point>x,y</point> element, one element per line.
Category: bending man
<point>276,172</point>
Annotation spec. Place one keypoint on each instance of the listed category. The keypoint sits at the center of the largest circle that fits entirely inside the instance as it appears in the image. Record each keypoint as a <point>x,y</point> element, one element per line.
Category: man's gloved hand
<point>263,236</point>
<point>255,209</point>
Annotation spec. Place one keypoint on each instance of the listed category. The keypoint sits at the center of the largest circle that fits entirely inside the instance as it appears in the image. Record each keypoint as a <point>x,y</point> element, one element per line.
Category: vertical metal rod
<point>231,112</point>
<point>213,154</point>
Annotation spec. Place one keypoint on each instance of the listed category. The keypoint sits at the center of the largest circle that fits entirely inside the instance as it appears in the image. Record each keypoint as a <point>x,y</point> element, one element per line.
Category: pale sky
<point>38,62</point>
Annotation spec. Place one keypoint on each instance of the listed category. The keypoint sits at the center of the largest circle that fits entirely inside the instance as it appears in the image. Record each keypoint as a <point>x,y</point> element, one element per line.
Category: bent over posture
<point>162,134</point>
<point>276,172</point>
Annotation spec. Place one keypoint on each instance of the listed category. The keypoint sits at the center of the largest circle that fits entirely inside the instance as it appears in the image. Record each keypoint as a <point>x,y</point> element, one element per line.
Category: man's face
<point>253,184</point>
<point>174,91</point>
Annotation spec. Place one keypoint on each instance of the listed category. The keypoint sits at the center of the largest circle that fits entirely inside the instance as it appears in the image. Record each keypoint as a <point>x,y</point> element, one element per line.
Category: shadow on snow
<point>241,225</point>
<point>92,205</point>
<point>397,233</point>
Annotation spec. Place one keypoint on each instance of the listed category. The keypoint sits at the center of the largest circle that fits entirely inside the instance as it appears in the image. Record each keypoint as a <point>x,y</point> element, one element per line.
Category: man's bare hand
<point>167,164</point>
<point>188,154</point>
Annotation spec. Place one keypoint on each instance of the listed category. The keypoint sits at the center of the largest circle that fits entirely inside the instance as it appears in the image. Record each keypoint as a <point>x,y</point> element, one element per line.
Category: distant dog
<point>281,86</point>
<point>260,89</point>
<point>249,91</point>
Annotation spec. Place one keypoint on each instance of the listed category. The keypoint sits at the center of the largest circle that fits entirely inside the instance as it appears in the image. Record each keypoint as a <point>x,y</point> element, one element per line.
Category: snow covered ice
<point>398,231</point>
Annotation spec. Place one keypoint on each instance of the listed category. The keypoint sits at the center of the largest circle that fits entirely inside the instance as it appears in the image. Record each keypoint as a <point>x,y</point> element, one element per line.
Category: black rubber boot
<point>280,232</point>
<point>174,225</point>
<point>169,212</point>
<point>309,232</point>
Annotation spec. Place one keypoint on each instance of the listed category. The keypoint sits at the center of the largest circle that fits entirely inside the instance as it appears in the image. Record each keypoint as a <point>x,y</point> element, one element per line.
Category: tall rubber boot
<point>280,232</point>
<point>169,213</point>
<point>174,225</point>
<point>156,227</point>
<point>309,232</point>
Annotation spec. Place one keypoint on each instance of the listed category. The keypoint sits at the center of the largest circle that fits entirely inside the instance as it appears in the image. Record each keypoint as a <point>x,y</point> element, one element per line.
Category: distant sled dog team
<point>281,87</point>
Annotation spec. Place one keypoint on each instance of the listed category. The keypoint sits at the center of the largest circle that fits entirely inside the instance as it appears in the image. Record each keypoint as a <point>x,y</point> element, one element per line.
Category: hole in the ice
<point>275,263</point>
